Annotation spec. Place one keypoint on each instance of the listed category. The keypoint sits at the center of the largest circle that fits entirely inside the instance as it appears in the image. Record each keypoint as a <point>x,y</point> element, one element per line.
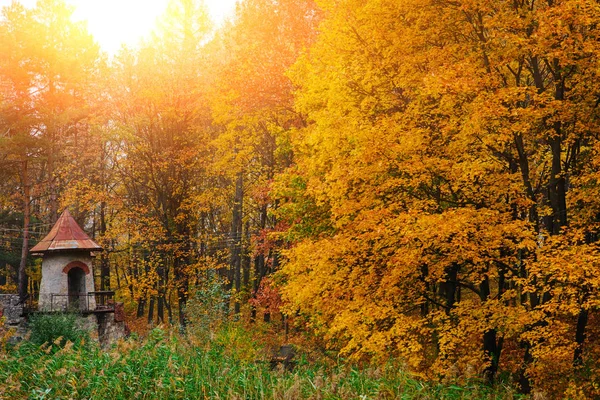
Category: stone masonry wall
<point>109,330</point>
<point>13,312</point>
<point>106,328</point>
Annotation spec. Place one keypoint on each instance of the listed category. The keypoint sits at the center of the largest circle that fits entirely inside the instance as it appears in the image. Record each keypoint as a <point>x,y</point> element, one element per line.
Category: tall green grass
<point>168,366</point>
<point>47,328</point>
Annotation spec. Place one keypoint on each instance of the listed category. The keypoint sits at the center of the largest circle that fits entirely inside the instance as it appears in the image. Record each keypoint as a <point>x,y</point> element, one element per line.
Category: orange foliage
<point>427,171</point>
<point>451,150</point>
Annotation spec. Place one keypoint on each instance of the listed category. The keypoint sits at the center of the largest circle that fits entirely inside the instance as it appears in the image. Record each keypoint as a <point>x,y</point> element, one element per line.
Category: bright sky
<point>117,22</point>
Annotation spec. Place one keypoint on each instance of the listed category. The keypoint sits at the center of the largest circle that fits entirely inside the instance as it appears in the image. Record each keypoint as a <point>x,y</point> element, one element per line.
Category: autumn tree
<point>45,92</point>
<point>447,148</point>
<point>159,109</point>
<point>252,107</point>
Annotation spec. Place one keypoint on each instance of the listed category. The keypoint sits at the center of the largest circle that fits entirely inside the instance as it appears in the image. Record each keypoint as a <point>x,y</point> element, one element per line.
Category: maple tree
<point>448,146</point>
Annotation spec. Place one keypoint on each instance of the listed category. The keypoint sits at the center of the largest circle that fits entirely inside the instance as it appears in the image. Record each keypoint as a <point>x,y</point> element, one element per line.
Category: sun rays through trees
<point>414,179</point>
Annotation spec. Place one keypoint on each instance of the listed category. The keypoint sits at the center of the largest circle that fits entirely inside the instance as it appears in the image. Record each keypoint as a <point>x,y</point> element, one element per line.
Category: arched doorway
<point>76,279</point>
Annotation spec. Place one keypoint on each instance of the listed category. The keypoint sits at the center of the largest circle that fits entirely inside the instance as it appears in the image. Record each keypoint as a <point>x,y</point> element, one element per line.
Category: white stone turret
<point>67,275</point>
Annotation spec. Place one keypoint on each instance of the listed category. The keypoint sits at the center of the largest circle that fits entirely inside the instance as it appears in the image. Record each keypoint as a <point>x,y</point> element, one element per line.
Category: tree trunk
<point>236,239</point>
<point>246,260</point>
<point>140,308</point>
<point>582,321</point>
<point>169,309</point>
<point>104,264</point>
<point>160,310</point>
<point>182,281</point>
<point>449,287</point>
<point>524,382</point>
<point>491,345</point>
<point>26,217</point>
<point>53,203</point>
<point>557,187</point>
<point>117,276</point>
<point>151,311</point>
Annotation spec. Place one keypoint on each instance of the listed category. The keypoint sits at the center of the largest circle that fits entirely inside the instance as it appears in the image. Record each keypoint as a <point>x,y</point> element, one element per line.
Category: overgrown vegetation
<point>166,365</point>
<point>57,329</point>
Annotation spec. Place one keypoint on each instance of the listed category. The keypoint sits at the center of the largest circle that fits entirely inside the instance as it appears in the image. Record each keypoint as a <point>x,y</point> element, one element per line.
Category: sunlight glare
<point>125,22</point>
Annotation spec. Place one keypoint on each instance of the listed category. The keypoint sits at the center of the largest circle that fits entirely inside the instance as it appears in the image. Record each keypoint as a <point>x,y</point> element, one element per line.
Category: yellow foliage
<point>451,146</point>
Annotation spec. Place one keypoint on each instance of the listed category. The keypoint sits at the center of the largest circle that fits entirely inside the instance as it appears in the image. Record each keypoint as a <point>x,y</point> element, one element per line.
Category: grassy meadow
<point>230,364</point>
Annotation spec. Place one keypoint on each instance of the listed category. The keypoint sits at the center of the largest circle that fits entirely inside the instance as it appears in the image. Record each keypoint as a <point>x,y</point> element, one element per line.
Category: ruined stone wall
<point>109,330</point>
<point>13,312</point>
<point>106,328</point>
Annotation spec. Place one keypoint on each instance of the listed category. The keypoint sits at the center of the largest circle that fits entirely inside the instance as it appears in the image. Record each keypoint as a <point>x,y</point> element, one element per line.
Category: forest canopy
<point>415,179</point>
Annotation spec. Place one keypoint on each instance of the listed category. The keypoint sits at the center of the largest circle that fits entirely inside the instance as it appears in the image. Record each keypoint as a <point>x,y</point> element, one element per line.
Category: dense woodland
<point>415,179</point>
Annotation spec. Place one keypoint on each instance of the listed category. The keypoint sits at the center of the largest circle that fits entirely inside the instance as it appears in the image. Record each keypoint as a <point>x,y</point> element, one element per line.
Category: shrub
<point>48,328</point>
<point>207,308</point>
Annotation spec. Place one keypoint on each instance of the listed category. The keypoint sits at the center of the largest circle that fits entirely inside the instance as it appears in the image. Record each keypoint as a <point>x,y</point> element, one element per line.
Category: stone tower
<point>67,276</point>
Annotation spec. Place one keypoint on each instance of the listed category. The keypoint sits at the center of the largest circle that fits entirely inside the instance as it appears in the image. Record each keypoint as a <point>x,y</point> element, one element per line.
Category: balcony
<point>84,303</point>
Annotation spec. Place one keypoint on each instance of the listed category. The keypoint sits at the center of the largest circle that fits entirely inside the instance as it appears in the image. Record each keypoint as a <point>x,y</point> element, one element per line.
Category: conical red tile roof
<point>65,235</point>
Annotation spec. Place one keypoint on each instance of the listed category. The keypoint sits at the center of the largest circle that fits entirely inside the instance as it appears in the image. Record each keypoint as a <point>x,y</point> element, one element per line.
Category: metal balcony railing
<point>91,302</point>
